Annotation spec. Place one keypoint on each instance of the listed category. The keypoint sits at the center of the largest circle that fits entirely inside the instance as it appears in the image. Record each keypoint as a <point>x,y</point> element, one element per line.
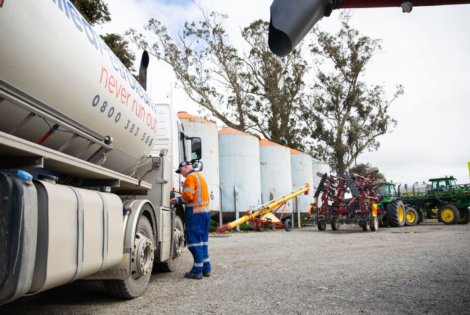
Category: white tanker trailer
<point>87,159</point>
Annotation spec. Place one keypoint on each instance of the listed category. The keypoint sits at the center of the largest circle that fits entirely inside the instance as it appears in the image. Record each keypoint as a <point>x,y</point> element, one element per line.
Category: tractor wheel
<point>335,225</point>
<point>371,171</point>
<point>411,217</point>
<point>365,226</point>
<point>420,216</point>
<point>321,224</point>
<point>396,213</point>
<point>464,215</point>
<point>288,225</point>
<point>374,224</point>
<point>448,214</point>
<point>375,184</point>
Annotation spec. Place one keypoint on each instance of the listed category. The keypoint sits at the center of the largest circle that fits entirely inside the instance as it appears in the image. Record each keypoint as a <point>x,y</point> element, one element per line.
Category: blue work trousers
<point>197,226</point>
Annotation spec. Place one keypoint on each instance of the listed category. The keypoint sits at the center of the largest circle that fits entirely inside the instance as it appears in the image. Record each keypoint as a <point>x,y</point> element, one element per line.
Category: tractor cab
<point>443,184</point>
<point>387,190</point>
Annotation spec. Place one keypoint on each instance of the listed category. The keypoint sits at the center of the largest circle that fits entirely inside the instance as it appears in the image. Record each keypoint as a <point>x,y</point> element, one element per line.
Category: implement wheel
<point>375,184</point>
<point>374,224</point>
<point>448,214</point>
<point>335,225</point>
<point>371,171</point>
<point>411,217</point>
<point>420,216</point>
<point>288,225</point>
<point>396,213</point>
<point>321,224</point>
<point>464,215</point>
<point>365,226</point>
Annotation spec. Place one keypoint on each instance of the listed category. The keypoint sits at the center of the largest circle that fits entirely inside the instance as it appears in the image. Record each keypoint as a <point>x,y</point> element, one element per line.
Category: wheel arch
<point>140,208</point>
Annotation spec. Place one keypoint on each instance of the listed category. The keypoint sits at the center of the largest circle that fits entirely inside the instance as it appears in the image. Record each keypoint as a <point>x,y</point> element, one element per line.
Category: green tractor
<point>397,214</point>
<point>451,200</point>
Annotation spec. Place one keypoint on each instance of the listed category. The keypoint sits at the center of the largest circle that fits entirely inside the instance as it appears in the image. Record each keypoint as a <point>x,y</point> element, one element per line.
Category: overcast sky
<point>427,51</point>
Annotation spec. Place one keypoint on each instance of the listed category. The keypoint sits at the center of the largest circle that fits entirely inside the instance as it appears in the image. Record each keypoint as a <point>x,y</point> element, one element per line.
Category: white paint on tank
<point>276,176</point>
<point>51,53</point>
<point>207,131</point>
<point>301,165</point>
<point>239,162</point>
<point>319,166</point>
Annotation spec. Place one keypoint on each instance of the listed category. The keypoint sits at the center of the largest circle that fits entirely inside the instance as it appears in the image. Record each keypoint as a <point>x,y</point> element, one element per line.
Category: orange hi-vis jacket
<point>196,193</point>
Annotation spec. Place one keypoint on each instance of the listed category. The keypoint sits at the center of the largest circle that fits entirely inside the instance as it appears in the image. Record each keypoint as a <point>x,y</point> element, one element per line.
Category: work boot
<point>192,276</point>
<point>206,274</point>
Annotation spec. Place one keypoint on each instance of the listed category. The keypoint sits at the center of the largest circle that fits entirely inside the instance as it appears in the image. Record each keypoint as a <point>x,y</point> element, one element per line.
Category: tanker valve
<point>126,210</point>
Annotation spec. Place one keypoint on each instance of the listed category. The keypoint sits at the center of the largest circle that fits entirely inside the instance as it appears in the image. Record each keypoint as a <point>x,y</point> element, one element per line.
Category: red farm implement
<point>362,209</point>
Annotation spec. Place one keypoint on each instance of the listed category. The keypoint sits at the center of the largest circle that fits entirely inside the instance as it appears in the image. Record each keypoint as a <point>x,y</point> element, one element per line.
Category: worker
<point>197,215</point>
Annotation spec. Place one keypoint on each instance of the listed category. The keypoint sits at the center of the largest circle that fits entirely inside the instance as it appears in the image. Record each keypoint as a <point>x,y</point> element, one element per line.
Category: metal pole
<point>235,195</point>
<point>221,219</point>
<point>298,211</point>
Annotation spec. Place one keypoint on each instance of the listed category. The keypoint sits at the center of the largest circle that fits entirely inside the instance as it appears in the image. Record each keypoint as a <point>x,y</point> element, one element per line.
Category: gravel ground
<point>392,271</point>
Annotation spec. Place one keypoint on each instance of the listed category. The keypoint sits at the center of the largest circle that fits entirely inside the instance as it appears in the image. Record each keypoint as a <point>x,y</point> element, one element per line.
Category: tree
<point>345,116</point>
<point>96,12</point>
<point>256,93</point>
<point>361,168</point>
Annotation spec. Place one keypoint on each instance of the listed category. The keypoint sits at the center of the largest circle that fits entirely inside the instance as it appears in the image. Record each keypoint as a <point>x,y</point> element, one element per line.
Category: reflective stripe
<point>198,265</point>
<point>190,190</point>
<point>199,203</point>
<point>202,211</point>
<point>206,260</point>
<point>205,243</point>
<point>195,244</point>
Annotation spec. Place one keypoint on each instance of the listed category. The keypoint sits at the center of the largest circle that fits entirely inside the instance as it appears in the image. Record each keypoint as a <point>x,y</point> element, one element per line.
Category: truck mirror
<point>198,166</point>
<point>196,149</point>
<point>292,20</point>
<point>163,152</point>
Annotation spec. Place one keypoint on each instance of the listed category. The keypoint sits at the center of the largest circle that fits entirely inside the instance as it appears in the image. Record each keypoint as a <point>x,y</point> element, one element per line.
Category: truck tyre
<point>464,215</point>
<point>373,170</point>
<point>448,214</point>
<point>374,224</point>
<point>136,284</point>
<point>396,213</point>
<point>178,245</point>
<point>411,217</point>
<point>420,216</point>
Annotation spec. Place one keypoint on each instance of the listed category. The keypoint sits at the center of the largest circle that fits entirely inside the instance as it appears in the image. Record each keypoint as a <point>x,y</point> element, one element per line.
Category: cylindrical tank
<point>207,130</point>
<point>413,188</point>
<point>49,52</point>
<point>301,168</point>
<point>318,166</point>
<point>276,176</point>
<point>239,167</point>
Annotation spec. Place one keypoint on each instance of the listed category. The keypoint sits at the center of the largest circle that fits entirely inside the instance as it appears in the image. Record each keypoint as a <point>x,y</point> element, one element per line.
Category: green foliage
<point>120,48</point>
<point>94,11</point>
<point>343,114</point>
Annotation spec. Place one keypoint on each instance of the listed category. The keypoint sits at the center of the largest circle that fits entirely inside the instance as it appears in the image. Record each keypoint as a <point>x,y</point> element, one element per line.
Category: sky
<point>427,51</point>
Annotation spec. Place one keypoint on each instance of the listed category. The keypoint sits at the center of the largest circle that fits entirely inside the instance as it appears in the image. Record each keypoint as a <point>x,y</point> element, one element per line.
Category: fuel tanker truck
<point>87,160</point>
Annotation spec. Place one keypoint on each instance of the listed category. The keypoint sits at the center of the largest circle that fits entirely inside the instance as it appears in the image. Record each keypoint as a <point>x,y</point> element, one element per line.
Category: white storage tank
<point>301,168</point>
<point>239,167</point>
<point>207,130</point>
<point>276,176</point>
<point>318,166</point>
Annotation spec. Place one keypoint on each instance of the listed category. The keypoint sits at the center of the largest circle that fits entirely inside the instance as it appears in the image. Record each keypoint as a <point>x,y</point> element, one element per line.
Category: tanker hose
<point>224,228</point>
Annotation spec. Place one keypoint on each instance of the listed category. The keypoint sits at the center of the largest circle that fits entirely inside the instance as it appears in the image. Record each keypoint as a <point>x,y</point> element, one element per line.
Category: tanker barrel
<point>144,63</point>
<point>291,20</point>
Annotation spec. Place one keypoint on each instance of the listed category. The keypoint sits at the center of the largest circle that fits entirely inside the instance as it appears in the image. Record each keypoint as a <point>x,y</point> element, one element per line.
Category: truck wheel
<point>420,216</point>
<point>396,213</point>
<point>321,224</point>
<point>288,225</point>
<point>374,224</point>
<point>464,216</point>
<point>365,226</point>
<point>178,246</point>
<point>411,217</point>
<point>142,260</point>
<point>448,214</point>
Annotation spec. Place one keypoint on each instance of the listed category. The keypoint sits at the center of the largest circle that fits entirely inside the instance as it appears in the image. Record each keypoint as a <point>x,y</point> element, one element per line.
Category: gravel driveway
<point>392,271</point>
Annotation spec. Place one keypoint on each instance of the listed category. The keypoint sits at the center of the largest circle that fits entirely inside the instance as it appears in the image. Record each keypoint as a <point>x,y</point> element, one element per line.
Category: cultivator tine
<point>351,185</point>
<point>321,185</point>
